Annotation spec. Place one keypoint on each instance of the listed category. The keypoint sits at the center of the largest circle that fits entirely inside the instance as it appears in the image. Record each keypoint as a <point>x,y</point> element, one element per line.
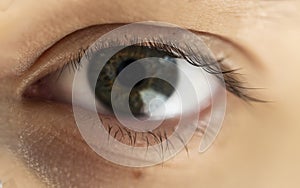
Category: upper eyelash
<point>209,64</point>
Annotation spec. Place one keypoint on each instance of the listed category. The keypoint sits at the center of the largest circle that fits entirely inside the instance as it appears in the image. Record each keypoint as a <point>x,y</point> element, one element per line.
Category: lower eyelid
<point>53,148</point>
<point>156,136</point>
<point>56,151</point>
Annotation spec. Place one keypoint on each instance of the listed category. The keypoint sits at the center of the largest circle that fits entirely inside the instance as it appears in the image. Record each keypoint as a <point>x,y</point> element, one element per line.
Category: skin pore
<point>257,146</point>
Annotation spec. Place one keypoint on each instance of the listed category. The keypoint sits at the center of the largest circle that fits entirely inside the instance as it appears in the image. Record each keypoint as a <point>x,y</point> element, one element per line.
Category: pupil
<point>145,90</point>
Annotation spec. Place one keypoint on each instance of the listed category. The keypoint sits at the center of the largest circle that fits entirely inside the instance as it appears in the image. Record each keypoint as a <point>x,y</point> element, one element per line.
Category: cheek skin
<point>5,4</point>
<point>52,146</point>
<point>49,143</point>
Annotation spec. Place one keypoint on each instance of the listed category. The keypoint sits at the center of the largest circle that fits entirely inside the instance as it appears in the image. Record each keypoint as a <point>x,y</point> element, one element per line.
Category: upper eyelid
<point>56,56</point>
<point>97,30</point>
<point>53,59</point>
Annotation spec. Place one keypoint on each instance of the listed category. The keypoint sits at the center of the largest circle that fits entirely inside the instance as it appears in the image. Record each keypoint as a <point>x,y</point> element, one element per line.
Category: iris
<point>144,92</point>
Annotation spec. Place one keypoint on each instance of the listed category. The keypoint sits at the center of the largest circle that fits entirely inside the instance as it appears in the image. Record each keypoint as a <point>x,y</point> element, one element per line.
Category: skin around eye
<point>198,58</point>
<point>184,106</point>
<point>258,144</point>
<point>64,55</point>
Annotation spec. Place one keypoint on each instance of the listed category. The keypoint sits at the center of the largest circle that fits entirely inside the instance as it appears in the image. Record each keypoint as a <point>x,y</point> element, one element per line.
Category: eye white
<point>171,107</point>
<point>199,80</point>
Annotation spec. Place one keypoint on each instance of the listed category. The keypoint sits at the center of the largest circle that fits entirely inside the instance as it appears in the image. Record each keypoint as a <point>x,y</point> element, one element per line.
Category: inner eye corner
<point>34,77</point>
<point>37,86</point>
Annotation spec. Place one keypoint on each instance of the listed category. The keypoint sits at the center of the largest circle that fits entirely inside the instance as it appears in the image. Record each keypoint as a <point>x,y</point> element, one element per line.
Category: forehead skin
<point>258,145</point>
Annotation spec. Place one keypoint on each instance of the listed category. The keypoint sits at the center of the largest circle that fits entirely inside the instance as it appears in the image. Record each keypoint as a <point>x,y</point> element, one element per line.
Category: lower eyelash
<point>141,139</point>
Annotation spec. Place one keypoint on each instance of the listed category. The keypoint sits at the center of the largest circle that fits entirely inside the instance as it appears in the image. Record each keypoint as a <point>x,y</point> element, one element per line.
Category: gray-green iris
<point>145,90</point>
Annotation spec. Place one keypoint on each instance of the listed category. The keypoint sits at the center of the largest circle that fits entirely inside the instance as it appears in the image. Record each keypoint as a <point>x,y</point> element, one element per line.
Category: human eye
<point>149,87</point>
